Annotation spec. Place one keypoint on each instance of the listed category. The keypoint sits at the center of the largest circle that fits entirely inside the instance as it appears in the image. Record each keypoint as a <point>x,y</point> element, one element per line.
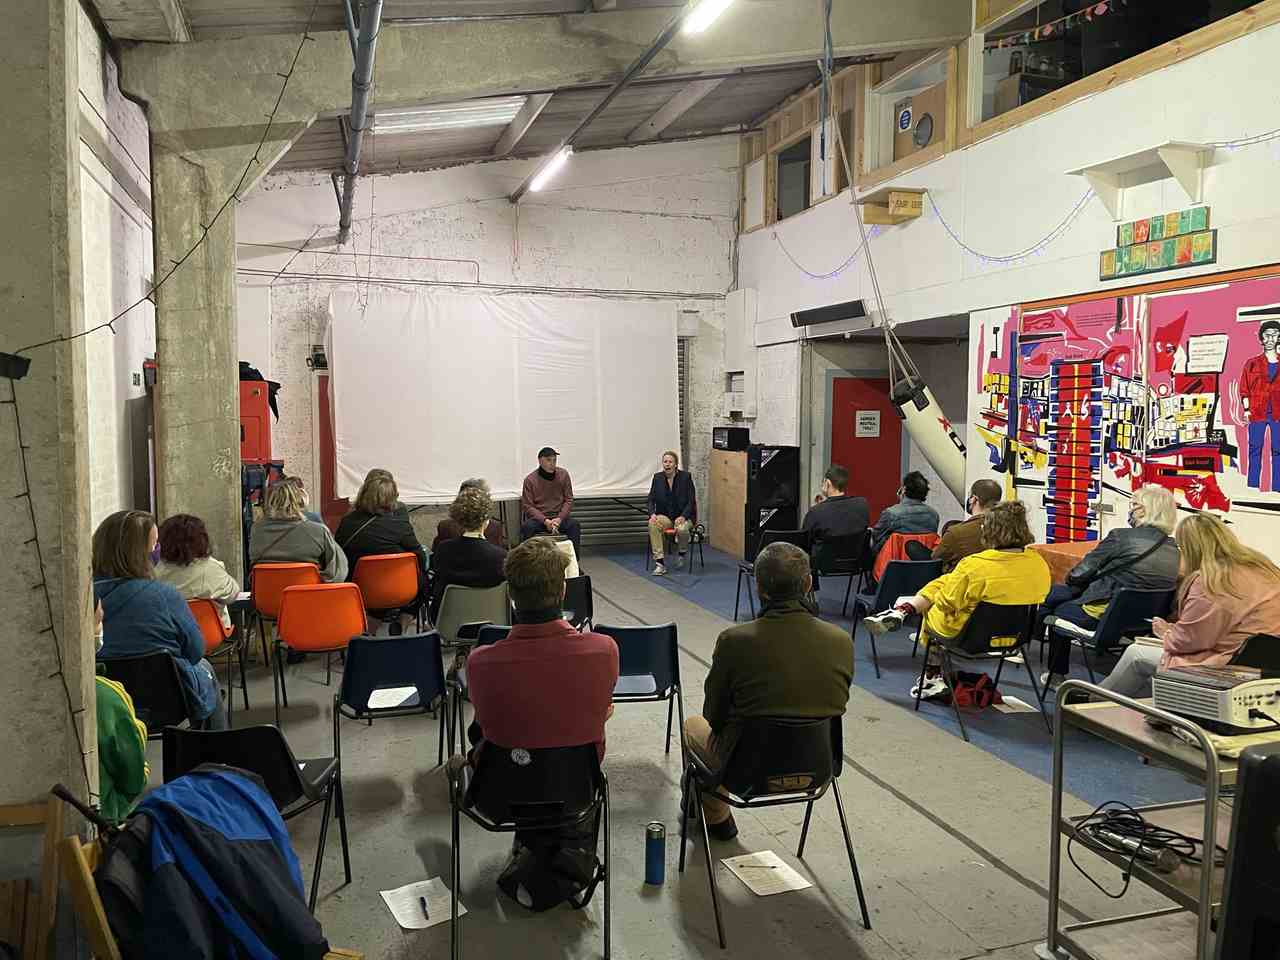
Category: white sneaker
<point>933,687</point>
<point>680,558</point>
<point>885,622</point>
<point>659,570</point>
<point>1050,681</point>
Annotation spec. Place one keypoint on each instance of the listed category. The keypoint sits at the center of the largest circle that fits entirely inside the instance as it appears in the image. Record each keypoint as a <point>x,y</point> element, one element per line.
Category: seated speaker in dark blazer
<point>469,560</point>
<point>673,505</point>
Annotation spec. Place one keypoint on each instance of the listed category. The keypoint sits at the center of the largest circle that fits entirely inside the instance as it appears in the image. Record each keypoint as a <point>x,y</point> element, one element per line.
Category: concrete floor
<point>952,842</point>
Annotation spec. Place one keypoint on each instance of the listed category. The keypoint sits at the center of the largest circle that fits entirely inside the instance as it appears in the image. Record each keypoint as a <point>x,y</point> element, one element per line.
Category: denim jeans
<point>1061,602</point>
<point>1257,440</point>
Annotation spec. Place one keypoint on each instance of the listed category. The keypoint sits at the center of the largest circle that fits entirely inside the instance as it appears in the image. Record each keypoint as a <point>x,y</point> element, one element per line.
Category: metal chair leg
<point>324,834</point>
<point>671,707</point>
<point>455,871</point>
<point>686,790</point>
<point>948,669</point>
<point>1084,653</point>
<point>804,831</point>
<point>853,860</point>
<point>924,665</point>
<point>275,683</point>
<point>244,684</point>
<point>737,596</point>
<point>440,749</point>
<point>844,608</point>
<point>711,875</point>
<point>328,669</point>
<point>608,911</point>
<point>342,824</point>
<point>1035,688</point>
<point>684,753</point>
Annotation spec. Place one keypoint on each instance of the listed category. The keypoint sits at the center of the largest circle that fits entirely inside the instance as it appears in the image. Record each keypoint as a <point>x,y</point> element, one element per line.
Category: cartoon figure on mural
<point>1260,397</point>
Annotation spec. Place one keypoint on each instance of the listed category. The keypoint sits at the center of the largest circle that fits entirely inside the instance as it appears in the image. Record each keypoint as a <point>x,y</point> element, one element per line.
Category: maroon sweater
<point>543,499</point>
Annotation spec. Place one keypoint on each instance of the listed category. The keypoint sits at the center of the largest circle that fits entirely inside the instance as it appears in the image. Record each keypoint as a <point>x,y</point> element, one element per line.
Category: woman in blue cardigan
<point>142,614</point>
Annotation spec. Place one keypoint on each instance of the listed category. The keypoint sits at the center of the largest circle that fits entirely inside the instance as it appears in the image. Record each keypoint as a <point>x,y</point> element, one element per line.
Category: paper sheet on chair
<point>1014,705</point>
<point>391,697</point>
<point>405,904</point>
<point>765,873</point>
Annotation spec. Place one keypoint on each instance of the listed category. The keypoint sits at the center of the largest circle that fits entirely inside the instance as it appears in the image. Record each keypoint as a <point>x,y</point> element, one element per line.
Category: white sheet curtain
<point>437,386</point>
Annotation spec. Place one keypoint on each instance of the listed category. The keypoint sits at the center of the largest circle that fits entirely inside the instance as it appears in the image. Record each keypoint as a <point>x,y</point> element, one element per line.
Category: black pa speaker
<point>773,476</point>
<point>760,519</point>
<point>1249,928</point>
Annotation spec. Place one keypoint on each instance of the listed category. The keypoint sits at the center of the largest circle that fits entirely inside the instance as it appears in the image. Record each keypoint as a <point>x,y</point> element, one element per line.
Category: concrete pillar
<point>41,299</point>
<point>197,409</point>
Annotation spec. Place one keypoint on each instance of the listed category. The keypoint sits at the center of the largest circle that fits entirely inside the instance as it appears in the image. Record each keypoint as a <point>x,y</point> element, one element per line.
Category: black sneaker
<point>725,830</point>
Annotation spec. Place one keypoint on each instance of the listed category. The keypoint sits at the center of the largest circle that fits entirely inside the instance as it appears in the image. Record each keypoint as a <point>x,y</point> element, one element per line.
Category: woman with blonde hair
<point>1229,593</point>
<point>285,535</point>
<point>1004,572</point>
<point>379,524</point>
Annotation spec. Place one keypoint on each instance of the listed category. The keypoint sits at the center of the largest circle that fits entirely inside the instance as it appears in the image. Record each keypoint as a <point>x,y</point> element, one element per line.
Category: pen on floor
<point>425,913</point>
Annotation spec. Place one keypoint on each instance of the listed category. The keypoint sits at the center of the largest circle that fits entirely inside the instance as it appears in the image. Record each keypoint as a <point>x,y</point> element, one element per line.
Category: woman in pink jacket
<point>1228,593</point>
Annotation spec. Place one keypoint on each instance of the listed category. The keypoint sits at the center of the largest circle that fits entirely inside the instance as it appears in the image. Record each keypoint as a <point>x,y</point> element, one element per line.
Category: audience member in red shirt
<point>545,684</point>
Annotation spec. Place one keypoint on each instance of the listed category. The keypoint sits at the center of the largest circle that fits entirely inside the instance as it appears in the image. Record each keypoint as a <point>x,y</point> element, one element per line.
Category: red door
<point>332,509</point>
<point>874,460</point>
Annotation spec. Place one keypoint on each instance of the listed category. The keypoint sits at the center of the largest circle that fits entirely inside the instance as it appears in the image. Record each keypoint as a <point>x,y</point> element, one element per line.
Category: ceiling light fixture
<point>704,14</point>
<point>489,112</point>
<point>550,169</point>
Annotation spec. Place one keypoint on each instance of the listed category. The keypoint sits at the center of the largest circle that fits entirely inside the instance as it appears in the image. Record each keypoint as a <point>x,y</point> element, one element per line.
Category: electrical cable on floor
<point>1115,827</point>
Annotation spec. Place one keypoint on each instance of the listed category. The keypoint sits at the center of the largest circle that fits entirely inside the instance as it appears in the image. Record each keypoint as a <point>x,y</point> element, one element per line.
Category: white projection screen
<point>437,386</point>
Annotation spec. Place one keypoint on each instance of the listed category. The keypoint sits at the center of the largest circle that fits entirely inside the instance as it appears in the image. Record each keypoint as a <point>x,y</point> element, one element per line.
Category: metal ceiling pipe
<point>361,84</point>
<point>632,72</point>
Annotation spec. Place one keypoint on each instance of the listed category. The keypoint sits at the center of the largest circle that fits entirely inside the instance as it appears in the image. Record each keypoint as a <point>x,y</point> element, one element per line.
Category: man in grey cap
<point>546,501</point>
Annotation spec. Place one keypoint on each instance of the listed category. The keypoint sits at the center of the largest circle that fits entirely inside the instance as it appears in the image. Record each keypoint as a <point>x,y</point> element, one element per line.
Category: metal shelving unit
<point>1183,932</point>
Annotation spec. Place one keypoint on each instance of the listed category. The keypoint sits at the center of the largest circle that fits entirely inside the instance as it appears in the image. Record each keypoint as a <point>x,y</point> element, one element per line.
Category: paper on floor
<point>765,873</point>
<point>1014,705</point>
<point>405,904</point>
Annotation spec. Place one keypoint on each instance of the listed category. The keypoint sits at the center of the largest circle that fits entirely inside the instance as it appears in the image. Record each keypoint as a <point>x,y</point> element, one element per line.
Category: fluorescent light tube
<point>489,112</point>
<point>550,169</point>
<point>704,14</point>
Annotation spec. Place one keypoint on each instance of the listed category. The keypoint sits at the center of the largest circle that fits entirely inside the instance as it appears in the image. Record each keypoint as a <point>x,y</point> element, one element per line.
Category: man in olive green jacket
<point>785,663</point>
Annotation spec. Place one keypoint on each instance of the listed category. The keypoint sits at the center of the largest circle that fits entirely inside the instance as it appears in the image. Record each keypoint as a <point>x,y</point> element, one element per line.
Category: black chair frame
<point>157,707</point>
<point>369,714</point>
<point>699,778</point>
<point>853,563</point>
<point>905,580</point>
<point>746,568</point>
<point>461,805</point>
<point>304,790</point>
<point>988,620</point>
<point>673,694</point>
<point>470,636</point>
<point>233,650</point>
<point>1116,623</point>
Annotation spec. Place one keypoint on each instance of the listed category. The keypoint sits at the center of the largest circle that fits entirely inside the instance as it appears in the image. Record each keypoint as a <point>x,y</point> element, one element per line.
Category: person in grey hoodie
<point>142,615</point>
<point>285,535</point>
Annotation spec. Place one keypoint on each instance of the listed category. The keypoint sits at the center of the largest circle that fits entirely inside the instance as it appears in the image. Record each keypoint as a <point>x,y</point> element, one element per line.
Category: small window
<point>794,178</point>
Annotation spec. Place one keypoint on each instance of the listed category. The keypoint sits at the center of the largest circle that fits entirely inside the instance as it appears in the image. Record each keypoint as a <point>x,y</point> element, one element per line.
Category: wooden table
<point>1061,557</point>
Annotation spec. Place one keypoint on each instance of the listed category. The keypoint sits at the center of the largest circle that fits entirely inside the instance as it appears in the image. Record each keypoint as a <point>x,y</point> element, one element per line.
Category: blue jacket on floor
<point>143,616</point>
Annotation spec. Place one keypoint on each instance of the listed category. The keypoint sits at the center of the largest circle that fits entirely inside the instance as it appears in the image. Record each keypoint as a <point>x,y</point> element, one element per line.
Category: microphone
<point>1162,858</point>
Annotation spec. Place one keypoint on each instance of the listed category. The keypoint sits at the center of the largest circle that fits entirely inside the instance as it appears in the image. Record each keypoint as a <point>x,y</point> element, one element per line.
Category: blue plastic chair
<point>382,663</point>
<point>901,578</point>
<point>648,668</point>
<point>1128,612</point>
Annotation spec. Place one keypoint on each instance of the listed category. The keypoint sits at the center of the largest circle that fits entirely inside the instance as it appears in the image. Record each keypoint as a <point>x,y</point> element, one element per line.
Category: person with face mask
<point>142,615</point>
<point>673,504</point>
<point>1142,555</point>
<point>965,538</point>
<point>546,500</point>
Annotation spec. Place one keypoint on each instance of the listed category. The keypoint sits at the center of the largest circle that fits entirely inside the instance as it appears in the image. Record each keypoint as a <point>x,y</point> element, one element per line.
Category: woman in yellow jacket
<point>1005,573</point>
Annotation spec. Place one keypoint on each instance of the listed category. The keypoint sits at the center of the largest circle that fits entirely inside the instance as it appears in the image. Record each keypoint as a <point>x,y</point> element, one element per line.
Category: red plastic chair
<point>320,618</point>
<point>218,643</point>
<point>389,582</point>
<point>269,581</point>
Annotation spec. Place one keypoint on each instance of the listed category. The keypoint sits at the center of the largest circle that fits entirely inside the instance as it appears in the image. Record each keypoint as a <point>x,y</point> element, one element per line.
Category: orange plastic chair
<point>269,582</point>
<point>216,637</point>
<point>388,581</point>
<point>319,618</point>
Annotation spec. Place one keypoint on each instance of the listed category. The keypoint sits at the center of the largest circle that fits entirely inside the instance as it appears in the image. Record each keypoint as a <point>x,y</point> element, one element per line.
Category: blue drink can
<point>655,853</point>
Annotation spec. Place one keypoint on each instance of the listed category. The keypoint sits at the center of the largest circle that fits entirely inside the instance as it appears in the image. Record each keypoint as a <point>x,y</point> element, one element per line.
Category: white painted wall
<point>1007,193</point>
<point>647,219</point>
<point>115,186</point>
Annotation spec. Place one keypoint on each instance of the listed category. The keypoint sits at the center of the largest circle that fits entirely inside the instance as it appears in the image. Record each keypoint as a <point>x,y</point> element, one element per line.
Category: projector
<point>1220,695</point>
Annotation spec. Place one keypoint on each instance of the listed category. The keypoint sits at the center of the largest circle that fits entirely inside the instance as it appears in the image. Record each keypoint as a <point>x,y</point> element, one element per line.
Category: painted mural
<point>1077,406</point>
